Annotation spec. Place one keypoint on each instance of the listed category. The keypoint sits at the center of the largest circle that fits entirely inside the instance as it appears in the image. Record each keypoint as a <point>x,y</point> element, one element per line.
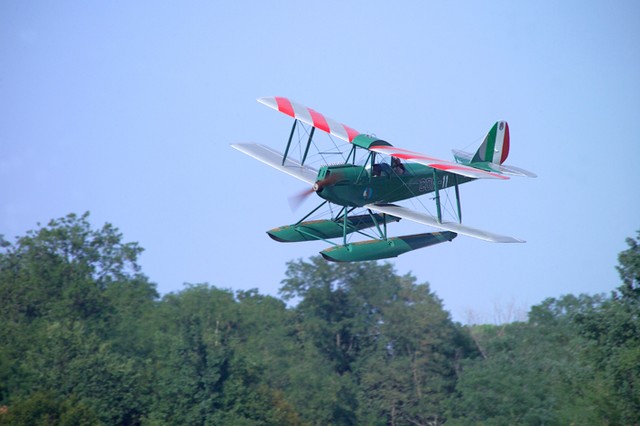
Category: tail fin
<point>492,153</point>
<point>495,147</point>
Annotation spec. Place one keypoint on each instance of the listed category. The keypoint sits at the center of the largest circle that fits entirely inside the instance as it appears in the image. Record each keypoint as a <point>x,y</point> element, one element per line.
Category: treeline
<point>85,339</point>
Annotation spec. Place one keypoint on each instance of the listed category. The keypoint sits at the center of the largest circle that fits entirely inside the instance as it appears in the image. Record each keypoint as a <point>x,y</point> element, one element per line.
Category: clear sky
<point>127,109</point>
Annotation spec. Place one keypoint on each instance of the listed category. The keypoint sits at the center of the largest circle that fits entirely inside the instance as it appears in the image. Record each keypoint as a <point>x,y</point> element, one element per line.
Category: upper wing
<point>447,166</point>
<point>310,117</point>
<point>274,159</point>
<point>408,214</point>
<point>346,133</point>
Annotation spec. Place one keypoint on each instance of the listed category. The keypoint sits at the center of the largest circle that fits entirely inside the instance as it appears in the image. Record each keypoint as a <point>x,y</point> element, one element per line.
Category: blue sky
<point>127,109</point>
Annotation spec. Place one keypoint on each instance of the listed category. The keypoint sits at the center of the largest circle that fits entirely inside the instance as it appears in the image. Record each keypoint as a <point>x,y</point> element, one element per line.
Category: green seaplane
<point>360,190</point>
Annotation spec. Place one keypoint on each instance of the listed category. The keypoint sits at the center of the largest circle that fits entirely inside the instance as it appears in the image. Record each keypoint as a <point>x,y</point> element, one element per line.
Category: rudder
<point>495,147</point>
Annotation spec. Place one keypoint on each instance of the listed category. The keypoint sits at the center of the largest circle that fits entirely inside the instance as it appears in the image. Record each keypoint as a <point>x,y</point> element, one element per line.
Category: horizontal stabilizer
<point>466,157</point>
<point>424,219</point>
<point>274,159</point>
<point>511,170</point>
<point>462,157</point>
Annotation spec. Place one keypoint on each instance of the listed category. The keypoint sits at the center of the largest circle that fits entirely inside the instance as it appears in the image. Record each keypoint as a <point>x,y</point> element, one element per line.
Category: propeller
<point>296,200</point>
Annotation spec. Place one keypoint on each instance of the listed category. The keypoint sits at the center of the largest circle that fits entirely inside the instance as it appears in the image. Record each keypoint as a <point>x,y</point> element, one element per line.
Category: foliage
<point>85,339</point>
<point>63,316</point>
<point>576,361</point>
<point>390,345</point>
<point>45,408</point>
<point>613,333</point>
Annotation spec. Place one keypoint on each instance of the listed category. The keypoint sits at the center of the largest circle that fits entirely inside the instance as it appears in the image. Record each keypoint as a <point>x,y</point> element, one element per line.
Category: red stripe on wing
<point>352,133</point>
<point>284,106</point>
<point>319,121</point>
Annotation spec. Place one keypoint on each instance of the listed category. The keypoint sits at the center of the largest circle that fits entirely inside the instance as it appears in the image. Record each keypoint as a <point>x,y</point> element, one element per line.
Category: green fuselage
<point>358,186</point>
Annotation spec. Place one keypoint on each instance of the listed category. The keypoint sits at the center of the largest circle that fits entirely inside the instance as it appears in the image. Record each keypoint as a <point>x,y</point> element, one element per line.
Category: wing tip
<point>513,240</point>
<point>269,101</point>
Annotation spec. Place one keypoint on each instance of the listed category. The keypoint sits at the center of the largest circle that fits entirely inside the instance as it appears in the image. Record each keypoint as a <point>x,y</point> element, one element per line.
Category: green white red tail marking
<point>495,147</point>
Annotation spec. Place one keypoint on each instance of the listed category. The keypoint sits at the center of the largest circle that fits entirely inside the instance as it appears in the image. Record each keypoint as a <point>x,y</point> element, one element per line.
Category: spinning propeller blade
<point>296,200</point>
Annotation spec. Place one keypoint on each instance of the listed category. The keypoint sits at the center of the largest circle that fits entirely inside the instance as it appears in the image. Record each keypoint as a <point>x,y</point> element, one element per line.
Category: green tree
<point>407,379</point>
<point>336,322</point>
<point>64,288</point>
<point>45,408</point>
<point>62,270</point>
<point>86,340</point>
<point>532,372</point>
<point>192,356</point>
<point>208,364</point>
<point>613,331</point>
<point>392,348</point>
<point>576,361</point>
<point>629,270</point>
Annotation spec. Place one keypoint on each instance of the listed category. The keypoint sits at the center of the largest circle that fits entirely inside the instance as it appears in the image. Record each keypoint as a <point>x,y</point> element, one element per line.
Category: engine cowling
<point>342,184</point>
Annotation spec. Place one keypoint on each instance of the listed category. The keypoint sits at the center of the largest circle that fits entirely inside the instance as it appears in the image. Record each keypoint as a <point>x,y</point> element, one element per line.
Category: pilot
<point>397,166</point>
<point>380,168</point>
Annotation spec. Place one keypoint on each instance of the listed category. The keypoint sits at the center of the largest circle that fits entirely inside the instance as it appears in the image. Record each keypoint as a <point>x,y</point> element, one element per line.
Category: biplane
<point>360,191</point>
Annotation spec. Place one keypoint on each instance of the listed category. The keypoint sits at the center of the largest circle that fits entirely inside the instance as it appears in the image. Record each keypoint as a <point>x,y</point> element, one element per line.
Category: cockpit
<point>384,169</point>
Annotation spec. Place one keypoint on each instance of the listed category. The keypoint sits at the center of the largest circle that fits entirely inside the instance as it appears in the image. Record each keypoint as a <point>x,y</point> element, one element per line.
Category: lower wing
<point>424,219</point>
<point>274,159</point>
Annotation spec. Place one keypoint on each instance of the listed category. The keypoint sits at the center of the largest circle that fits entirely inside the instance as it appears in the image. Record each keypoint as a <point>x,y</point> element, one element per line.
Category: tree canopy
<point>87,339</point>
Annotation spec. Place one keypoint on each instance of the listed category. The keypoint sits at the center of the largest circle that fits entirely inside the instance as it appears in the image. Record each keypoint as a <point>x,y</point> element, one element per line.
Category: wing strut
<point>435,186</point>
<point>455,180</point>
<point>306,151</point>
<point>286,151</point>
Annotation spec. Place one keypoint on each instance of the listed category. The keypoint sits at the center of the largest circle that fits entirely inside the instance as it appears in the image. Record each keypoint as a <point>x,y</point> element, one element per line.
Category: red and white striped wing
<point>310,117</point>
<point>447,166</point>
